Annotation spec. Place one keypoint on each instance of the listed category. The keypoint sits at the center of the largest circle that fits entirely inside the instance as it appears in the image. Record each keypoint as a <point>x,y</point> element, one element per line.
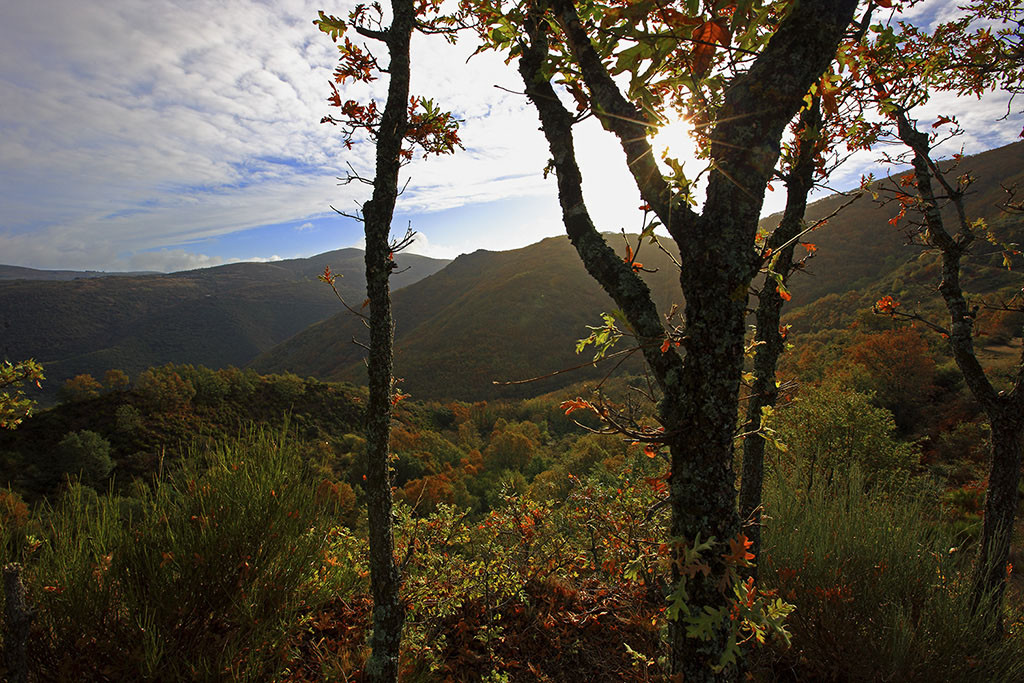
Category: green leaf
<point>331,25</point>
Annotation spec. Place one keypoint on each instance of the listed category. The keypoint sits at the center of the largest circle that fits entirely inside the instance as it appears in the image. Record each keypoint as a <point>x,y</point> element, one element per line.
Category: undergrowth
<point>881,589</point>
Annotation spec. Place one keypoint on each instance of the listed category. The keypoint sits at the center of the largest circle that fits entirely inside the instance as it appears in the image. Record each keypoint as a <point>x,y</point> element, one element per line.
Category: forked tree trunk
<point>1005,409</point>
<point>699,405</point>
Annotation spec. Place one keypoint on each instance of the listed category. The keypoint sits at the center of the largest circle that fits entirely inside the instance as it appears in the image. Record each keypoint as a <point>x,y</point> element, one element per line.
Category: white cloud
<point>172,260</point>
<point>422,246</point>
<point>146,125</point>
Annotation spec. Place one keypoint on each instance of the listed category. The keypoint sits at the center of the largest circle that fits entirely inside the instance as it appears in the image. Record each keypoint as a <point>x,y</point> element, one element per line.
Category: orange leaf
<point>887,305</point>
<point>578,404</point>
<point>665,344</point>
<point>738,551</point>
<point>705,36</point>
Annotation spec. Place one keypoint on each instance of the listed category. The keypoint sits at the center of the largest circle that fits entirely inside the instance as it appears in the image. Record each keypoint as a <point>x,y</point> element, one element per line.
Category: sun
<point>675,139</point>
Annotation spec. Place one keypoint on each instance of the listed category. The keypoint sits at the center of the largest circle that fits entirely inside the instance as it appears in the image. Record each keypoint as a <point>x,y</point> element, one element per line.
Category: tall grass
<point>202,576</point>
<point>881,589</point>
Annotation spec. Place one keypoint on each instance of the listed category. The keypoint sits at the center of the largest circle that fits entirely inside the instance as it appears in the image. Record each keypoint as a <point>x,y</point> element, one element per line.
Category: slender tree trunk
<point>991,570</point>
<point>385,576</point>
<point>1005,409</point>
<point>17,622</point>
<point>764,393</point>
<point>770,343</point>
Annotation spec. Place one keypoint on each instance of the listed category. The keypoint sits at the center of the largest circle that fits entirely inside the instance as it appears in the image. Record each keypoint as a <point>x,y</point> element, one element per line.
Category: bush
<point>127,419</point>
<point>202,577</point>
<point>79,388</point>
<point>827,430</point>
<point>13,519</point>
<point>83,454</point>
<point>164,389</point>
<point>116,380</point>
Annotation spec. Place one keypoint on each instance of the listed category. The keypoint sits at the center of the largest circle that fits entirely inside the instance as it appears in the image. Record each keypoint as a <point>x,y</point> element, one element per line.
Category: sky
<point>166,135</point>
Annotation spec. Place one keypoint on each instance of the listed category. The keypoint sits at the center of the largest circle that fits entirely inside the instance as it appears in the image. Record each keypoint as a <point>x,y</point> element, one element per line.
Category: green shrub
<point>827,430</point>
<point>202,577</point>
<point>85,455</point>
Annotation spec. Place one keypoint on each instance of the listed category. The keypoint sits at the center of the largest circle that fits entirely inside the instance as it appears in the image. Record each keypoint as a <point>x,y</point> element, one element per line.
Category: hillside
<point>215,317</point>
<point>518,314</point>
<point>859,247</point>
<point>487,316</point>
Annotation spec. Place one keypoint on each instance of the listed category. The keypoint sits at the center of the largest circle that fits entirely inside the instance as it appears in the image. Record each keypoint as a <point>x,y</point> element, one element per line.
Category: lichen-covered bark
<point>385,577</point>
<point>770,343</point>
<point>990,572</point>
<point>718,264</point>
<point>17,622</point>
<point>699,407</point>
<point>1005,410</point>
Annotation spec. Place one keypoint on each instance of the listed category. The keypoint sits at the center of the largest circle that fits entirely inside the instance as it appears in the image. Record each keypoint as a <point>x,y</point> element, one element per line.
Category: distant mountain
<point>215,317</point>
<point>514,315</point>
<point>859,246</point>
<point>22,273</point>
<point>487,316</point>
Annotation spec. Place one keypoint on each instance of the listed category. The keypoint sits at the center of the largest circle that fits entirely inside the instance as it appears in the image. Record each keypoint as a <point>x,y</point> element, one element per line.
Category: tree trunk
<point>991,570</point>
<point>699,405</point>
<point>763,393</point>
<point>385,576</point>
<point>770,343</point>
<point>1005,410</point>
<point>703,484</point>
<point>17,621</point>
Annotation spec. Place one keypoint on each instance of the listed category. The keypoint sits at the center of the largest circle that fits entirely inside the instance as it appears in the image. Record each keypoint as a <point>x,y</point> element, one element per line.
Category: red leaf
<point>705,36</point>
<point>887,305</point>
<point>738,551</point>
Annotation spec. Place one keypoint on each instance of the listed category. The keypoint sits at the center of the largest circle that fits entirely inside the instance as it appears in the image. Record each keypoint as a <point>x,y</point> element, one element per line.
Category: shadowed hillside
<point>214,316</point>
<point>860,247</point>
<point>513,315</point>
<point>487,316</point>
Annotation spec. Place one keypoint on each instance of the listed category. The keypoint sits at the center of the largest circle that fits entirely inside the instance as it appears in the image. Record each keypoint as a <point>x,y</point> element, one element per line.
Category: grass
<point>881,590</point>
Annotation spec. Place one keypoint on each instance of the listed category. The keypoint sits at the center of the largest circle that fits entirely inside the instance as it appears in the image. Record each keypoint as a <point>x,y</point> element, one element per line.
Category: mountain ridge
<point>499,316</point>
<point>219,316</point>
